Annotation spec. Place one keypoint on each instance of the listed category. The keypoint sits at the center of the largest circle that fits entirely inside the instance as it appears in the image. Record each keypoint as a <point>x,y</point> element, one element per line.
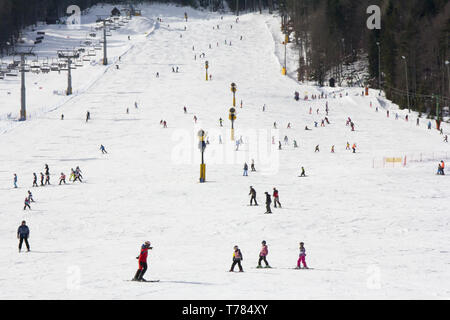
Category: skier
<point>442,167</point>
<point>279,145</point>
<point>317,149</point>
<point>62,178</point>
<point>237,258</point>
<point>47,178</point>
<point>303,174</point>
<point>30,196</point>
<point>77,176</point>
<point>26,204</point>
<point>128,111</point>
<point>237,145</point>
<point>23,233</point>
<point>42,179</point>
<point>220,139</point>
<point>245,169</point>
<point>102,149</point>
<point>142,260</point>
<point>354,148</point>
<point>446,138</point>
<point>268,202</point>
<point>253,196</point>
<point>348,146</point>
<point>332,149</point>
<point>221,122</point>
<point>88,116</point>
<point>276,198</point>
<point>302,256</point>
<point>429,125</point>
<point>185,110</point>
<point>164,124</point>
<point>78,171</point>
<point>263,254</point>
<point>286,140</point>
<point>15,180</point>
<point>62,117</point>
<point>274,125</point>
<point>135,104</point>
<point>195,119</point>
<point>295,144</point>
<point>417,122</point>
<point>253,165</point>
<point>35,180</point>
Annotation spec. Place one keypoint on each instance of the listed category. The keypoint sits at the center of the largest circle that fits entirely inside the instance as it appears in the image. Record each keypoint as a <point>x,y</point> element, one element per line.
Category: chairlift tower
<point>26,51</point>
<point>104,19</point>
<point>68,55</point>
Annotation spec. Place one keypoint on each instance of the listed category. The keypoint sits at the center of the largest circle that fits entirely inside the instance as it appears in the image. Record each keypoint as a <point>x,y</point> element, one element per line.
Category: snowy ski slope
<point>368,232</point>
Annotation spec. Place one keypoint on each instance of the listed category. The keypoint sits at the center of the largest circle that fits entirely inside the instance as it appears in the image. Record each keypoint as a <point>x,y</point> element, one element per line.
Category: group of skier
<point>276,199</point>
<point>238,257</point>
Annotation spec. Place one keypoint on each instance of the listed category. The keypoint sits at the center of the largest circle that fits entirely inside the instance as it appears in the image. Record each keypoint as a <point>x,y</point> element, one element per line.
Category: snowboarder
<point>268,202</point>
<point>142,260</point>
<point>26,204</point>
<point>237,258</point>
<point>302,256</point>
<point>102,149</point>
<point>253,196</point>
<point>35,180</point>
<point>62,178</point>
<point>263,254</point>
<point>15,180</point>
<point>276,198</point>
<point>245,169</point>
<point>23,233</point>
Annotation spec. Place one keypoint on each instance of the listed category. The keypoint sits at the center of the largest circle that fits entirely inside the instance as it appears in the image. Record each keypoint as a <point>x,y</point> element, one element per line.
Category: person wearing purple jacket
<point>263,254</point>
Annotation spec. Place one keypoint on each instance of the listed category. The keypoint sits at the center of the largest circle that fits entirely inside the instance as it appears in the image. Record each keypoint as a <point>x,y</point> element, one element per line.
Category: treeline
<point>333,33</point>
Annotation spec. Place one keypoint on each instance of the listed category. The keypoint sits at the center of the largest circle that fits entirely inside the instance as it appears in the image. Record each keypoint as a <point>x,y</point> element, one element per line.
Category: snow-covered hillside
<point>368,232</point>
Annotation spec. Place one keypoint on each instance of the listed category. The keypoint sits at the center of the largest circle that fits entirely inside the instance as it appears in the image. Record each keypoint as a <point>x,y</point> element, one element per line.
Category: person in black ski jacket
<point>253,196</point>
<point>268,202</point>
<point>23,233</point>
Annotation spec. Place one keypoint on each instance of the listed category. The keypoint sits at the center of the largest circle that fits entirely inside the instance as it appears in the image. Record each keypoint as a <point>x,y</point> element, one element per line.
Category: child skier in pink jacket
<point>302,256</point>
<point>263,254</point>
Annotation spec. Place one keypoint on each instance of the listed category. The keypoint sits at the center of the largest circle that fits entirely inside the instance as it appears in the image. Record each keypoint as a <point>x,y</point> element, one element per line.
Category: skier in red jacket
<point>142,262</point>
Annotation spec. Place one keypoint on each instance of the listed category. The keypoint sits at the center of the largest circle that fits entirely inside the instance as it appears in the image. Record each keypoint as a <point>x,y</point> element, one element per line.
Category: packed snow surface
<point>369,231</point>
